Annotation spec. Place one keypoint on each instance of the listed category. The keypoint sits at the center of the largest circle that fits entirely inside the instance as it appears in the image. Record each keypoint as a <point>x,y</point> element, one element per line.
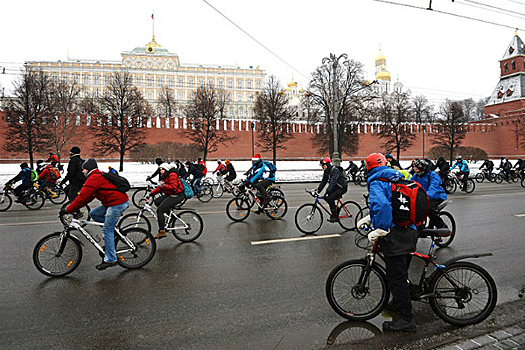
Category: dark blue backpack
<point>270,166</point>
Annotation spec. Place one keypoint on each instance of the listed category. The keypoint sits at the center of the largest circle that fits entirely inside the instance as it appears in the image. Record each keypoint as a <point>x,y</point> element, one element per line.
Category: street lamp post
<point>334,61</point>
<point>252,124</point>
<point>424,128</point>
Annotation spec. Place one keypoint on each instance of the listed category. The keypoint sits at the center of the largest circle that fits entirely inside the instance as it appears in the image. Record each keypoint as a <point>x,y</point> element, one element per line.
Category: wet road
<point>223,291</point>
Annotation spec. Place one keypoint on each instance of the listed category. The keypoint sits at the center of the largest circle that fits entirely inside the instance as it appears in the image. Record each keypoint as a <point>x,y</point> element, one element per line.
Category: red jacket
<point>205,168</point>
<point>94,188</point>
<point>46,175</point>
<point>172,185</point>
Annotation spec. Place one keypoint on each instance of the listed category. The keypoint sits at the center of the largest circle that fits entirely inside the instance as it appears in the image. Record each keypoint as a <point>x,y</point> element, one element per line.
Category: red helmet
<point>325,161</point>
<point>374,160</point>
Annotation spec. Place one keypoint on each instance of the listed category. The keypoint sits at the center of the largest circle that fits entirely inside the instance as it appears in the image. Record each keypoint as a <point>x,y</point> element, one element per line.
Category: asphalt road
<point>233,288</point>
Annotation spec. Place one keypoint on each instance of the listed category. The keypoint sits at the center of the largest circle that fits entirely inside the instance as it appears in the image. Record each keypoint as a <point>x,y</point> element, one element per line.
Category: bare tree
<point>126,108</point>
<point>90,104</point>
<point>273,113</point>
<point>203,113</point>
<point>28,130</point>
<point>469,108</point>
<point>352,94</point>
<point>422,110</point>
<point>395,113</point>
<point>64,103</point>
<point>223,97</point>
<point>451,127</point>
<point>479,109</point>
<point>167,101</point>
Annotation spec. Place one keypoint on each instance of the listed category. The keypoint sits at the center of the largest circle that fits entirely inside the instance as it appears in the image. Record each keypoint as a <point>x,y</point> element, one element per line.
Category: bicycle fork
<point>361,288</point>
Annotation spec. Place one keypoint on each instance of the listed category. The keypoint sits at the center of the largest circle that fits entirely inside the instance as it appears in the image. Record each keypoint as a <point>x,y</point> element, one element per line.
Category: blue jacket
<point>24,176</point>
<point>380,196</point>
<point>463,166</point>
<point>431,182</point>
<point>261,171</point>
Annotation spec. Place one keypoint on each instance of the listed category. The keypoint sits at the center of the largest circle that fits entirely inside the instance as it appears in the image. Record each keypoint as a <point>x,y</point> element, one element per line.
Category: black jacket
<point>74,171</point>
<point>230,171</point>
<point>488,164</point>
<point>334,177</point>
<point>193,170</point>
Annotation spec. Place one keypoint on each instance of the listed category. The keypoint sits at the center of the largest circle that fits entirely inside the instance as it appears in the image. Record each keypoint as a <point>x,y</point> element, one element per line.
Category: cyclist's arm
<point>380,205</point>
<point>86,195</point>
<point>258,174</point>
<point>455,165</point>
<point>323,182</point>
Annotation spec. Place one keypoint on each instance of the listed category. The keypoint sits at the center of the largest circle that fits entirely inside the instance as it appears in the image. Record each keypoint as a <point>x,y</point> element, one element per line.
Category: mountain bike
<point>309,217</point>
<point>454,180</point>
<point>185,225</point>
<point>33,199</point>
<point>459,292</point>
<point>60,253</point>
<point>484,175</point>
<point>52,192</point>
<point>238,208</point>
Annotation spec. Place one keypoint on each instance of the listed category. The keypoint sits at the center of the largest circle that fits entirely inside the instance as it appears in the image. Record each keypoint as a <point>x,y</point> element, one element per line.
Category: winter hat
<point>165,166</point>
<point>24,165</point>
<point>90,164</point>
<point>75,150</point>
<point>256,157</point>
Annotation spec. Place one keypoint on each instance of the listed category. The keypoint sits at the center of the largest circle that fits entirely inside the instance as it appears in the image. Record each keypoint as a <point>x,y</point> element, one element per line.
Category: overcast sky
<point>434,54</point>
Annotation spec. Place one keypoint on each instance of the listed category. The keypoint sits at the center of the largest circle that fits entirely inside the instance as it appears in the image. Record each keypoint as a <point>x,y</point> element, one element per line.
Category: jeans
<point>196,185</point>
<point>110,217</point>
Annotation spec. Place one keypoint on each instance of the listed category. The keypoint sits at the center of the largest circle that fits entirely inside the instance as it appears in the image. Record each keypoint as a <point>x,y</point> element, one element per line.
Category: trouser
<point>110,217</point>
<point>164,204</point>
<point>490,174</point>
<point>197,185</point>
<point>73,190</point>
<point>397,276</point>
<point>261,187</point>
<point>435,219</point>
<point>332,197</point>
<point>465,179</point>
<point>230,177</point>
<point>19,189</point>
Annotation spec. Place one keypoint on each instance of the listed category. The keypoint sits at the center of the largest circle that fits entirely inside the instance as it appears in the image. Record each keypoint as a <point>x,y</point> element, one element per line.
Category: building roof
<point>516,47</point>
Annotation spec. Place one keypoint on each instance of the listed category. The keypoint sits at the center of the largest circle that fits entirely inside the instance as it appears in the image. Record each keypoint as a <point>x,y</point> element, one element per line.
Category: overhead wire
<point>475,4</point>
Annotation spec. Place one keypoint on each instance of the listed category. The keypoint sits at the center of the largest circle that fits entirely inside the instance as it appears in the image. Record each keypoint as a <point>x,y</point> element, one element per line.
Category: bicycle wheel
<point>143,252</point>
<point>480,177</point>
<point>52,261</point>
<point>61,196</point>
<point>274,191</point>
<point>238,209</point>
<point>82,214</point>
<point>450,186</point>
<point>138,197</point>
<point>206,193</point>
<point>522,185</point>
<point>6,201</point>
<point>277,207</point>
<point>362,213</point>
<point>134,220</point>
<point>218,190</point>
<point>351,300</point>
<point>463,294</point>
<point>35,200</point>
<point>187,227</point>
<point>308,218</point>
<point>498,178</point>
<point>352,331</point>
<point>347,214</point>
<point>471,185</point>
<point>448,219</point>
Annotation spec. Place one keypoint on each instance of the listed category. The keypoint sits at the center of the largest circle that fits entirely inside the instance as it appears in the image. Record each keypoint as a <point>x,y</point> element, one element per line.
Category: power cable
<point>494,7</point>
<point>521,16</point>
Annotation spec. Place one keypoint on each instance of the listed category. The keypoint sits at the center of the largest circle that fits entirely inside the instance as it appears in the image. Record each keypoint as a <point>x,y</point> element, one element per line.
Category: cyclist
<point>395,242</point>
<point>52,158</point>
<point>202,166</point>
<point>48,177</point>
<point>158,161</point>
<point>112,170</point>
<point>431,183</point>
<point>362,167</point>
<point>406,174</point>
<point>489,165</point>
<point>25,176</point>
<point>394,163</point>
<point>191,169</point>
<point>113,205</point>
<point>464,169</point>
<point>220,167</point>
<point>40,165</point>
<point>179,168</point>
<point>442,167</point>
<point>352,170</point>
<point>229,173</point>
<point>337,186</point>
<point>74,174</point>
<point>520,166</point>
<point>261,177</point>
<point>172,194</point>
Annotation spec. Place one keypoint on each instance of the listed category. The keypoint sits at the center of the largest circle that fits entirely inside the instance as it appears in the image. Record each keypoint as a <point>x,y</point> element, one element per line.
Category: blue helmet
<point>388,155</point>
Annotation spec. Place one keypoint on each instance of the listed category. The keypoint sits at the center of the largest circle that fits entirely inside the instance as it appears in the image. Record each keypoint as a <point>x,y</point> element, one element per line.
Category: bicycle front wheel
<point>139,197</point>
<point>60,197</point>
<point>347,214</point>
<point>187,226</point>
<point>6,201</point>
<point>471,185</point>
<point>142,252</point>
<point>450,186</point>
<point>218,190</point>
<point>133,220</point>
<point>463,294</point>
<point>498,178</point>
<point>480,177</point>
<point>353,298</point>
<point>308,219</point>
<point>448,219</point>
<point>35,201</point>
<point>238,209</point>
<point>206,193</point>
<point>53,260</point>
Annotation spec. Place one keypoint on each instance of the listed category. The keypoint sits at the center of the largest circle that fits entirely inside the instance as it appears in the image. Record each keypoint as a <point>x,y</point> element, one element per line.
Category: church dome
<point>292,84</point>
<point>383,74</point>
<point>380,59</point>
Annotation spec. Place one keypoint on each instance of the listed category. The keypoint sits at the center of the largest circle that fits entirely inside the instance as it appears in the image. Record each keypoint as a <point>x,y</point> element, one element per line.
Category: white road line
<point>283,240</point>
<point>520,215</point>
<point>31,223</point>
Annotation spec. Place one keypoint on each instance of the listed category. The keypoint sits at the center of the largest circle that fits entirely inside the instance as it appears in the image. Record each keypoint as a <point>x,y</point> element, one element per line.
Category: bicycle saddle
<point>435,232</point>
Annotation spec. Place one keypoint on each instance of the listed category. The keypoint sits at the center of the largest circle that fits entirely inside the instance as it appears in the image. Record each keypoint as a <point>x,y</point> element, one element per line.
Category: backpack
<point>121,183</point>
<point>188,192</point>
<point>410,204</point>
<point>343,173</point>
<point>200,167</point>
<point>54,173</point>
<point>34,175</point>
<point>270,166</point>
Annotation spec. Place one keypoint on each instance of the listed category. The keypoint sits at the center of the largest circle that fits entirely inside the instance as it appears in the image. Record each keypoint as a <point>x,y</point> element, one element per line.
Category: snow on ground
<point>287,171</point>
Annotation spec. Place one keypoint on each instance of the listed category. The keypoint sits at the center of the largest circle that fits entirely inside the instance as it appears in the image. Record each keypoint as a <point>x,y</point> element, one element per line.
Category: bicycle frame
<point>318,202</point>
<point>172,214</point>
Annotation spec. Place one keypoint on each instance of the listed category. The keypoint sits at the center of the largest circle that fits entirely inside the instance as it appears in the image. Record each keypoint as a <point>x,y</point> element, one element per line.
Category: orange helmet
<point>374,160</point>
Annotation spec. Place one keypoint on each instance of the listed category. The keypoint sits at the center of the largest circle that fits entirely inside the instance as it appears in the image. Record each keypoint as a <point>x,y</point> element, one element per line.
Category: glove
<point>63,211</point>
<point>326,195</point>
<point>374,235</point>
<point>364,222</point>
<point>148,178</point>
<point>162,185</point>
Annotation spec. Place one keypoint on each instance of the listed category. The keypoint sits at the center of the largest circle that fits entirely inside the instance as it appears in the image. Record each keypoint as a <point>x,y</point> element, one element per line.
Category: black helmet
<point>158,161</point>
<point>421,164</point>
<point>24,165</point>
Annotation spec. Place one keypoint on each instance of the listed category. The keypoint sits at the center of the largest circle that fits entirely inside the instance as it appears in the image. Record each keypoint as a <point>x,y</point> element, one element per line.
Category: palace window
<point>55,78</point>
<point>190,82</point>
<point>201,82</point>
<point>181,82</point>
<point>239,97</point>
<point>170,82</point>
<point>97,80</point>
<point>75,78</point>
<point>138,81</point>
<point>86,80</point>
<point>181,96</point>
<point>106,80</point>
<point>150,81</point>
<point>191,95</point>
<point>258,84</point>
<point>64,79</point>
<point>150,96</point>
<point>230,84</point>
<point>221,83</point>
<point>249,84</point>
<point>239,84</point>
<point>210,82</point>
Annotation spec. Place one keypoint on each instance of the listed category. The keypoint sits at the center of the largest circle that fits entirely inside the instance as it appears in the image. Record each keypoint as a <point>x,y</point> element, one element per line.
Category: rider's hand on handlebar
<point>63,211</point>
<point>374,235</point>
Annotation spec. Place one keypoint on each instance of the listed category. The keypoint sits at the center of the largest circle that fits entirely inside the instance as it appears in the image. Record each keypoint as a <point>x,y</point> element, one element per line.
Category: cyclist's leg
<point>261,186</point>
<point>465,179</point>
<point>161,210</point>
<point>197,184</point>
<point>111,219</point>
<point>435,219</point>
<point>338,193</point>
<point>397,276</point>
<point>98,214</point>
<point>490,174</point>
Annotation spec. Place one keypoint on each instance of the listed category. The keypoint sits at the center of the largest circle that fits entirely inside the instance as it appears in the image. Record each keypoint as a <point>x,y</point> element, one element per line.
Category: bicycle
<point>60,253</point>
<point>186,225</point>
<point>238,208</point>
<point>206,193</point>
<point>454,180</point>
<point>484,174</point>
<point>360,178</point>
<point>139,196</point>
<point>459,292</point>
<point>309,217</point>
<point>221,185</point>
<point>33,199</point>
<point>52,192</point>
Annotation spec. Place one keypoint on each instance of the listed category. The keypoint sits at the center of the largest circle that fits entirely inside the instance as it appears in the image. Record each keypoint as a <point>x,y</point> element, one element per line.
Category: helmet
<point>459,158</point>
<point>24,165</point>
<point>374,160</point>
<point>219,161</point>
<point>158,161</point>
<point>165,166</point>
<point>325,161</point>
<point>421,164</point>
<point>388,155</point>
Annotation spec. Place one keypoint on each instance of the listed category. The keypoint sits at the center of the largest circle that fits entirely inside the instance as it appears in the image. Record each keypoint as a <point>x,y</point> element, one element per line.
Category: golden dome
<point>380,58</point>
<point>292,84</point>
<point>383,74</point>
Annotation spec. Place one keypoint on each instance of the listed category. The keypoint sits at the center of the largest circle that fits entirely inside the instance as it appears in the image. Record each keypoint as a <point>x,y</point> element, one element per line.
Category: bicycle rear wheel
<point>354,300</point>
<point>451,224</point>
<point>463,294</point>
<point>277,207</point>
<point>187,227</point>
<point>134,220</point>
<point>53,261</point>
<point>480,177</point>
<point>498,178</point>
<point>238,209</point>
<point>6,201</point>
<point>347,215</point>
<point>206,193</point>
<point>218,190</point>
<point>308,219</point>
<point>35,200</point>
<point>61,196</point>
<point>143,252</point>
<point>362,213</point>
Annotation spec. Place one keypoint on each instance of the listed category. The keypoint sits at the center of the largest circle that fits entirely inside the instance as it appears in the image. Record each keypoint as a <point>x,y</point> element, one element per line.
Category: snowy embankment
<point>287,171</point>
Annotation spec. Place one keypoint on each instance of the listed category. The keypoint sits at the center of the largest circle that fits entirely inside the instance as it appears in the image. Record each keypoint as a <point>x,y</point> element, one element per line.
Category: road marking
<point>283,240</point>
<point>30,223</point>
<point>520,215</point>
